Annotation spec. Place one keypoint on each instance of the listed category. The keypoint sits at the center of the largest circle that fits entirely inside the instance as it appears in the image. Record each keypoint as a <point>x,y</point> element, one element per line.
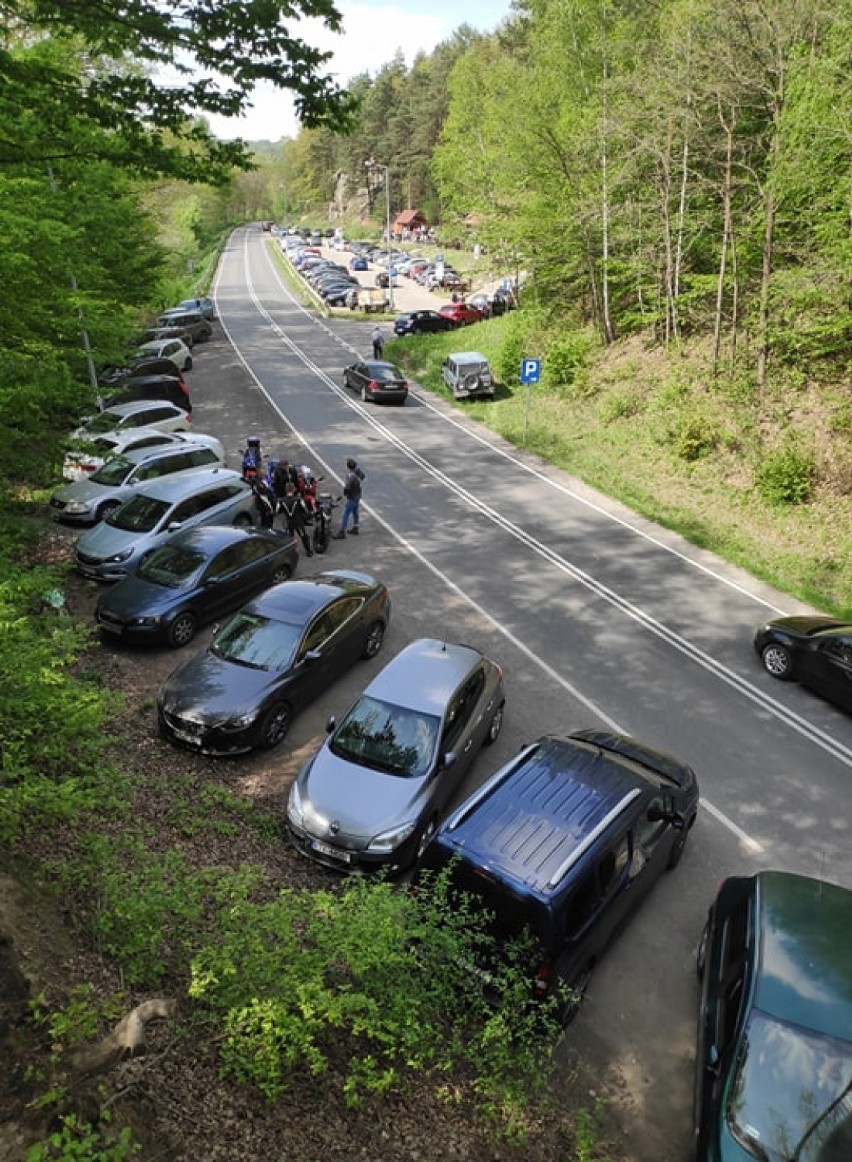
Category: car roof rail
<point>596,832</point>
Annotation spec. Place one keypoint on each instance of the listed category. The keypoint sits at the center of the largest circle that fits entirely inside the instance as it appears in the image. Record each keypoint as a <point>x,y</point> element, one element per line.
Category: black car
<point>421,323</point>
<point>114,375</point>
<point>816,651</point>
<point>272,657</point>
<point>773,1063</point>
<point>562,844</point>
<point>201,574</point>
<point>167,387</point>
<point>376,381</point>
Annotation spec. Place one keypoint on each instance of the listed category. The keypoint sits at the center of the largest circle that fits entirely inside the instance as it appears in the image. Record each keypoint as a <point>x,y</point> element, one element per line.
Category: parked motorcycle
<point>326,504</point>
<point>252,460</point>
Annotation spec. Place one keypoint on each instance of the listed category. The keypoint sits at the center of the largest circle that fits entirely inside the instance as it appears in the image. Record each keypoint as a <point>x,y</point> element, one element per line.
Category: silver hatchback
<point>372,796</point>
<point>113,549</point>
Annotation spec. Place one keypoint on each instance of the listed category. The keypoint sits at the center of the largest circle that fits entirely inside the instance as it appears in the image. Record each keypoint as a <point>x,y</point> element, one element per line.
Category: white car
<point>137,413</point>
<point>174,349</point>
<point>82,462</point>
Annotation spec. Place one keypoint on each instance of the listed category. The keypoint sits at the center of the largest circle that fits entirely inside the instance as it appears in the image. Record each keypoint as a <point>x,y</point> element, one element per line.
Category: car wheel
<point>188,365</point>
<point>425,835</point>
<point>182,630</point>
<point>243,521</point>
<point>496,726</point>
<point>375,639</point>
<point>570,1006</point>
<point>281,573</point>
<point>107,508</point>
<point>778,661</point>
<point>274,725</point>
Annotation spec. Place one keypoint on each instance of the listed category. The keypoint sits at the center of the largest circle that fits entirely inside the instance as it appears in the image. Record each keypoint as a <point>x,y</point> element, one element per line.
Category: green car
<point>773,1071</point>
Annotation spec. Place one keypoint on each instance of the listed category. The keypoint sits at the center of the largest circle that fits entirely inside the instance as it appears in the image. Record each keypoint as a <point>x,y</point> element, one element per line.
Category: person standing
<point>296,516</point>
<point>378,342</point>
<point>352,492</point>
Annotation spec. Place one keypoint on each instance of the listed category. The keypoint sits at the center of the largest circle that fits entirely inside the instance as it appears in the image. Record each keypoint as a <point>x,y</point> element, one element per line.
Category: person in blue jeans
<point>352,492</point>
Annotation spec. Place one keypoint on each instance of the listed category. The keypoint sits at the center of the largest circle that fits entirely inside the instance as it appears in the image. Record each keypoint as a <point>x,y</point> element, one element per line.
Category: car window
<point>113,471</point>
<point>462,707</point>
<point>140,514</point>
<point>148,442</point>
<point>155,415</point>
<point>318,632</point>
<point>223,563</point>
<point>187,509</point>
<point>198,457</point>
<point>612,865</point>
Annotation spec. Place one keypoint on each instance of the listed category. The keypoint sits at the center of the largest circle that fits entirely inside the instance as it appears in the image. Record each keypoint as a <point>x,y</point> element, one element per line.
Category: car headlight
<point>295,810</point>
<point>388,841</point>
<point>145,620</point>
<point>116,557</point>
<point>76,507</point>
<point>241,722</point>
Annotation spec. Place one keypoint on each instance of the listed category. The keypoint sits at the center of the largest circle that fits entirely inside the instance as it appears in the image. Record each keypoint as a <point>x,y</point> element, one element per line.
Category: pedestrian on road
<point>296,515</point>
<point>264,502</point>
<point>378,342</point>
<point>352,492</point>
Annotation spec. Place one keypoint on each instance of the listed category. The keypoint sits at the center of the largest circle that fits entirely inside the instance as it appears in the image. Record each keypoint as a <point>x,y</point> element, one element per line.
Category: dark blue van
<point>563,842</point>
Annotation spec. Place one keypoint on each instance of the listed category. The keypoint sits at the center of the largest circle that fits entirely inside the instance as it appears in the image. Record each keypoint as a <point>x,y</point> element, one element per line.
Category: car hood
<point>83,490</point>
<point>363,802</point>
<point>104,540</point>
<point>211,690</point>
<point>135,597</point>
<point>806,624</point>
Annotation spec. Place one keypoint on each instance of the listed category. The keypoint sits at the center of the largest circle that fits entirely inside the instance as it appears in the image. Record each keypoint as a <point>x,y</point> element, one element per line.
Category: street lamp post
<point>373,165</point>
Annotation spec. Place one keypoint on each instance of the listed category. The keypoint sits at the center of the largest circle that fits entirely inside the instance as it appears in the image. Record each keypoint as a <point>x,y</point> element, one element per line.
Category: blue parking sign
<point>530,370</point>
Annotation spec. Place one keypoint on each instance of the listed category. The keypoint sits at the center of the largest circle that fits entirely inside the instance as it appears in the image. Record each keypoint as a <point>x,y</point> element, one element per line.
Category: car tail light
<point>372,385</point>
<point>542,977</point>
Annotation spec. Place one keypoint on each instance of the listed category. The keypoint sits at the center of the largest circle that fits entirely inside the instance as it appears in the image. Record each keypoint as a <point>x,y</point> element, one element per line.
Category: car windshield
<point>113,471</point>
<point>172,566</point>
<point>102,422</point>
<point>140,514</point>
<point>249,639</point>
<point>791,1097</point>
<point>387,737</point>
<point>385,373</point>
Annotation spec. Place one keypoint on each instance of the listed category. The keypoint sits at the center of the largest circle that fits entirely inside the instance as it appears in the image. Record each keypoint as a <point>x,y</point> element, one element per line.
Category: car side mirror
<point>312,656</point>
<point>448,760</point>
<point>173,526</point>
<point>713,1059</point>
<point>330,724</point>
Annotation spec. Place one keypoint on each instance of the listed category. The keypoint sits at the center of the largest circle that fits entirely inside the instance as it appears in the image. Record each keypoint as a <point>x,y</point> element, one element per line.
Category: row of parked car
<point>562,842</point>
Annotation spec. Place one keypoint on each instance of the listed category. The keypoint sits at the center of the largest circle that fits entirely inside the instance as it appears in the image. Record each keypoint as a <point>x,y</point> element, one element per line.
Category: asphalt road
<point>597,616</point>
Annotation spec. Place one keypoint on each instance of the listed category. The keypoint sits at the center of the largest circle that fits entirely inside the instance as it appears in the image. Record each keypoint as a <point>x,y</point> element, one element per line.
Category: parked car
<point>100,494</point>
<point>113,549</point>
<point>773,1064</point>
<point>172,349</point>
<point>271,659</point>
<point>162,387</point>
<point>383,279</point>
<point>421,323</point>
<point>359,262</point>
<point>376,381</point>
<point>561,844</point>
<point>192,322</point>
<point>113,376</point>
<point>157,333</point>
<point>204,305</point>
<point>468,375</point>
<point>80,463</point>
<point>372,795</point>
<point>816,651</point>
<point>461,314</point>
<point>198,576</point>
<point>149,413</point>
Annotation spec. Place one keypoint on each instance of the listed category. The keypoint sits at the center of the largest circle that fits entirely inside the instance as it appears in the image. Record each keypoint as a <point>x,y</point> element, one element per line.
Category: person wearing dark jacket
<point>352,492</point>
<point>296,516</point>
<point>264,502</point>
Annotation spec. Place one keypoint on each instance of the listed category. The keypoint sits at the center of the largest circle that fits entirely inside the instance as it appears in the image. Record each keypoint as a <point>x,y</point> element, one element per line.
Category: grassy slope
<point>650,428</point>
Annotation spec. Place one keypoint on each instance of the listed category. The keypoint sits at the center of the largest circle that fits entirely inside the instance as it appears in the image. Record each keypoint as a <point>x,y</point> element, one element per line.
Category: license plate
<point>333,852</point>
<point>187,736</point>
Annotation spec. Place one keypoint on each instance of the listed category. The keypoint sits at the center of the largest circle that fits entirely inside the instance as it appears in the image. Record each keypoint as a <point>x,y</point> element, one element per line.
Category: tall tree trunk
<point>727,234</point>
<point>608,325</point>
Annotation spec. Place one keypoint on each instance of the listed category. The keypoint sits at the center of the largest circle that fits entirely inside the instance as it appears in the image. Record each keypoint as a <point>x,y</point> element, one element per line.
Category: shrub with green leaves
<point>786,476</point>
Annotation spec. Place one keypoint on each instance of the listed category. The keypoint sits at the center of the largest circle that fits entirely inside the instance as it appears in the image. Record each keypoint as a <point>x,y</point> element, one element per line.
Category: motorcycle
<point>252,460</point>
<point>325,506</point>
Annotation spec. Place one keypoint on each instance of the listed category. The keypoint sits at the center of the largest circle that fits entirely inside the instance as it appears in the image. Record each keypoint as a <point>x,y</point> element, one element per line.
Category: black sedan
<point>421,323</point>
<point>376,381</point>
<point>272,657</point>
<point>198,576</point>
<point>816,651</point>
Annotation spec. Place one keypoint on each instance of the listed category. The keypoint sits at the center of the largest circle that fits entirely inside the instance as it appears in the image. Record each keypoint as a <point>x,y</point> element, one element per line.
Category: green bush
<point>786,476</point>
<point>566,357</point>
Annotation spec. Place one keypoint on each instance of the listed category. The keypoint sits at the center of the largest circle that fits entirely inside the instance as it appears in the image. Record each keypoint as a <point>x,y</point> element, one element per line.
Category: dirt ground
<point>172,1095</point>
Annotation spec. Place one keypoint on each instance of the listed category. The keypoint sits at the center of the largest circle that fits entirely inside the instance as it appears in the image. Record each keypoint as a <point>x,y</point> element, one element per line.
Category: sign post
<point>530,374</point>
